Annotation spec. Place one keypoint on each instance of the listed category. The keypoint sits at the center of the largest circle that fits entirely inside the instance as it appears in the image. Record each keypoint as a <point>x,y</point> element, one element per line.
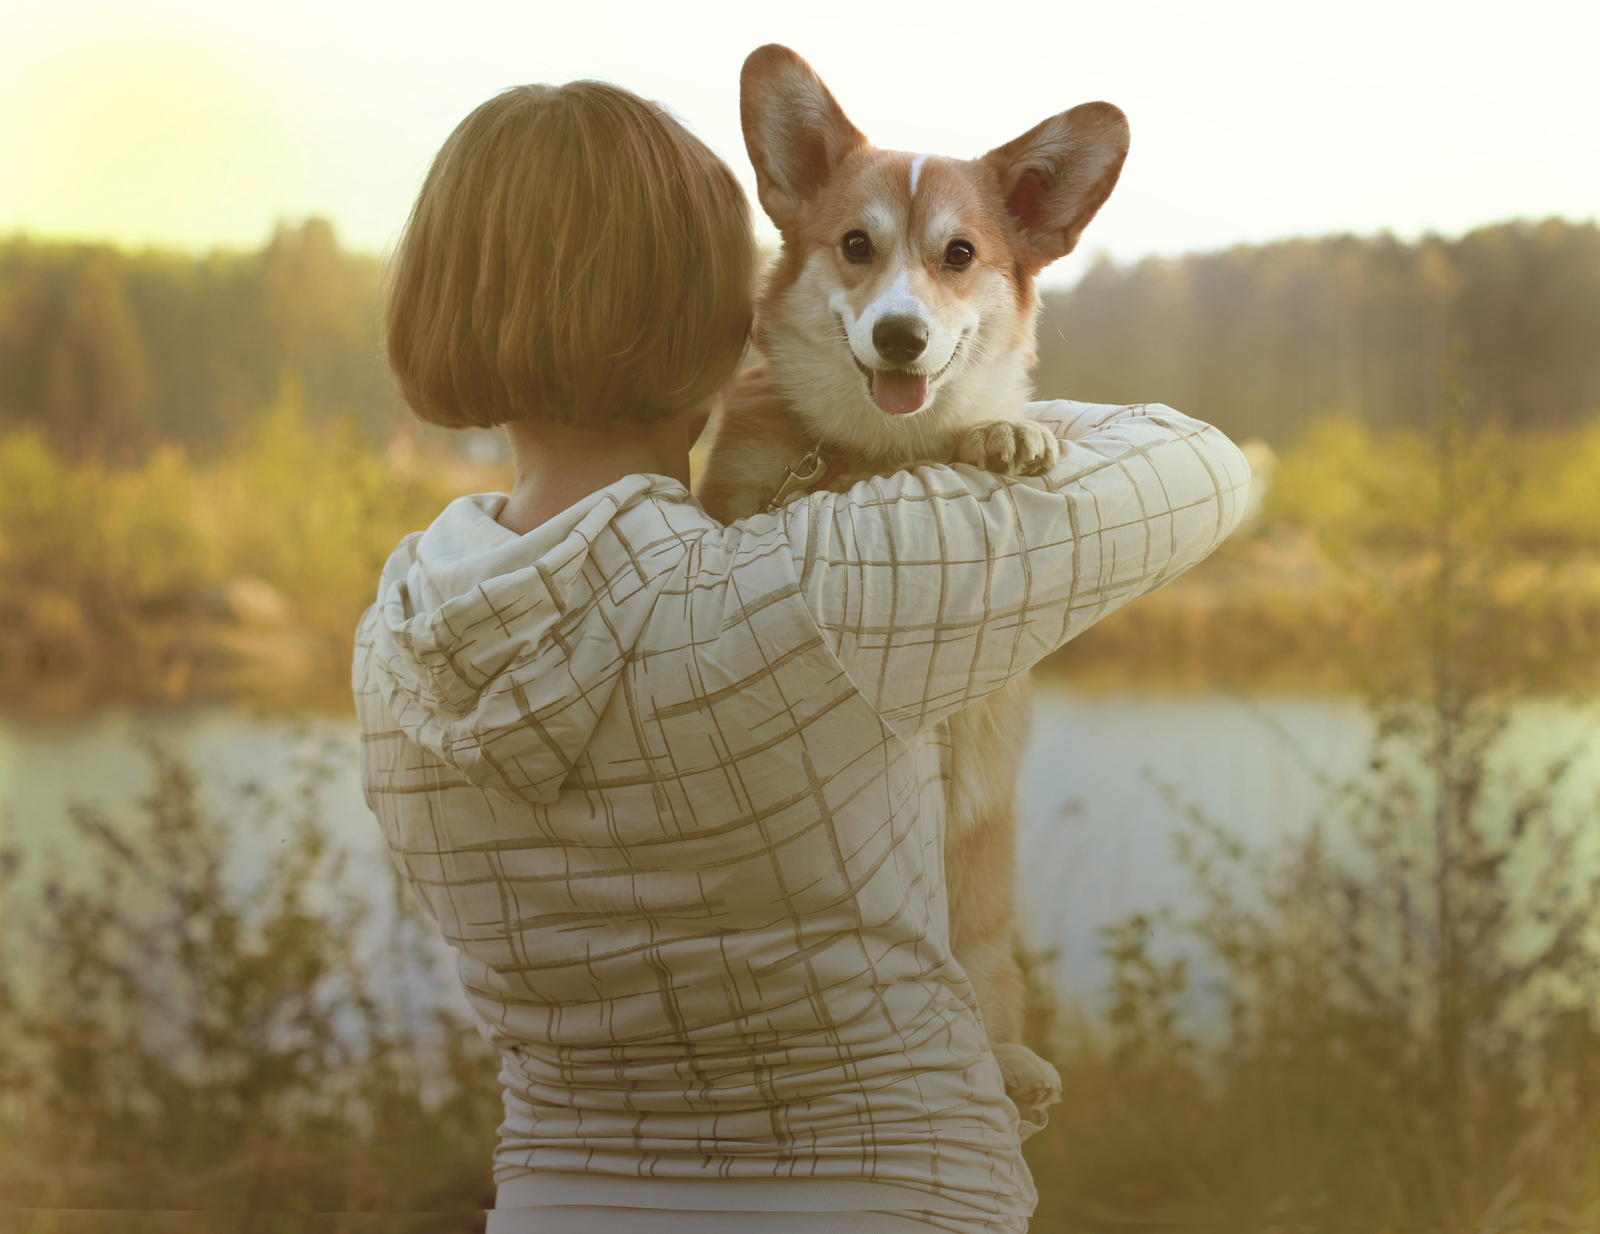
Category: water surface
<point>1097,790</point>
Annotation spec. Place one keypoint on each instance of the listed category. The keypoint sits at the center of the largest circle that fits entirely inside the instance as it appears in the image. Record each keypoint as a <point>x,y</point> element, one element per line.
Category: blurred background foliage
<point>203,466</point>
<point>1405,995</point>
<point>177,1041</point>
<point>112,353</point>
<point>171,579</point>
<point>203,460</point>
<point>1265,340</point>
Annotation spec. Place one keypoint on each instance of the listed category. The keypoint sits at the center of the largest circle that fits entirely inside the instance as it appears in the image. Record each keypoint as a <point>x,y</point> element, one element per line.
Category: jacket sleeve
<point>937,586</point>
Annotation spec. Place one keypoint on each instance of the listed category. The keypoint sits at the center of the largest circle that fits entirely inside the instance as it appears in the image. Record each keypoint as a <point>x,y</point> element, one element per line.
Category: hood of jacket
<point>498,652</point>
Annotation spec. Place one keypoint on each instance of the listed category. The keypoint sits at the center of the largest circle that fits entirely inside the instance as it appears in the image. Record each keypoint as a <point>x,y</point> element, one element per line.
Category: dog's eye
<point>960,253</point>
<point>856,246</point>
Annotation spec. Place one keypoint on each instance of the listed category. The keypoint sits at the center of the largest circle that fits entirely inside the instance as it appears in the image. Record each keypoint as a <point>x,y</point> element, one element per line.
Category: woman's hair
<point>575,256</point>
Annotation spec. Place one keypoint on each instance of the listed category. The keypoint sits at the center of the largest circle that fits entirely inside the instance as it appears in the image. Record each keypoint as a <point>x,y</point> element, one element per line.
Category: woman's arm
<point>938,586</point>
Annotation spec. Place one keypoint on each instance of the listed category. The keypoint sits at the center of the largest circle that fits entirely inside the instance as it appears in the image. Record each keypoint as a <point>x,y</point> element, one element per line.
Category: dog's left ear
<point>1058,174</point>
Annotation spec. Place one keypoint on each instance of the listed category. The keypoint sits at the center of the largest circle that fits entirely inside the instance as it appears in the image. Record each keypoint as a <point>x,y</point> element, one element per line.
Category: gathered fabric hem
<point>600,1219</point>
<point>554,1200</point>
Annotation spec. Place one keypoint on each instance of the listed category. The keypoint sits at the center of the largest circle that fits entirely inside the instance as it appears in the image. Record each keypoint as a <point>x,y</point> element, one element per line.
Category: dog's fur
<point>839,335</point>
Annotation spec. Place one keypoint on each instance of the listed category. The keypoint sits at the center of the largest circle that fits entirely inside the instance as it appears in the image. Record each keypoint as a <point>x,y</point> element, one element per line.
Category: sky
<point>192,125</point>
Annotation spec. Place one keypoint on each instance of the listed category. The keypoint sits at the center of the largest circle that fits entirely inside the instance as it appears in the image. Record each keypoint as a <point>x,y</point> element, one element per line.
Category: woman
<point>675,791</point>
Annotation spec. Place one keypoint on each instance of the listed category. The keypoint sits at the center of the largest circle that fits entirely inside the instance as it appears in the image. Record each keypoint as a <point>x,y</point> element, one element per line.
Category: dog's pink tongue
<point>899,393</point>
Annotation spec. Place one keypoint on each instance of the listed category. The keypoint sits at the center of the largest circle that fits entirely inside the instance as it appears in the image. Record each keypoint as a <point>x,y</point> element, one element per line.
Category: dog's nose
<point>899,340</point>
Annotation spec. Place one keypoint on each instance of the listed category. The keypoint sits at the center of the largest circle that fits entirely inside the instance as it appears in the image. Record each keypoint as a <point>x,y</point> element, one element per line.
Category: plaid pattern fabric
<point>675,793</point>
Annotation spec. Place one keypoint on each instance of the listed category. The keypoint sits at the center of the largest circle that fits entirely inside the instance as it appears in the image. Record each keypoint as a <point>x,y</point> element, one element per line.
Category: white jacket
<point>675,793</point>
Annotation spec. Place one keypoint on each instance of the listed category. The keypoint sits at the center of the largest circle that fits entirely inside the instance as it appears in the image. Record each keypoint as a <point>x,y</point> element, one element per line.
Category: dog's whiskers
<point>981,351</point>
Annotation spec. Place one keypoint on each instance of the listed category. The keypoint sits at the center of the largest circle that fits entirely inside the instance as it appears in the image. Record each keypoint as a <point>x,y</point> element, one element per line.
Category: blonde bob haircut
<point>576,256</point>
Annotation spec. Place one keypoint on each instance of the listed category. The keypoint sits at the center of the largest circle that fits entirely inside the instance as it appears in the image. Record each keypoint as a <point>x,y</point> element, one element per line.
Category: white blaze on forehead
<point>916,171</point>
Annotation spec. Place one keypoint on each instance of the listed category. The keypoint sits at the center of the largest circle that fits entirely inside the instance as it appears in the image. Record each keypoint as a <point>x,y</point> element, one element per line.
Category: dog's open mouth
<point>899,391</point>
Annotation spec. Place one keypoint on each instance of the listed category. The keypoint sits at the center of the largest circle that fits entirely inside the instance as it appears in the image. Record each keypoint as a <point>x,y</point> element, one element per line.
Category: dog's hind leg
<point>986,743</point>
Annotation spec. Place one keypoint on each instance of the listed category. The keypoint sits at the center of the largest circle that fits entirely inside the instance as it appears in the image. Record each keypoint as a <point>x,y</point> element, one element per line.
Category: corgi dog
<point>897,326</point>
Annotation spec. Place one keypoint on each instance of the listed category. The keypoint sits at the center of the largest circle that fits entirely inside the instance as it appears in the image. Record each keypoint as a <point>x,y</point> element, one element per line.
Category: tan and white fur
<point>897,326</point>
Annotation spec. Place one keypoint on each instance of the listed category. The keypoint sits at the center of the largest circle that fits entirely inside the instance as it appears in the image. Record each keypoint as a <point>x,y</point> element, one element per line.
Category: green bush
<point>120,584</point>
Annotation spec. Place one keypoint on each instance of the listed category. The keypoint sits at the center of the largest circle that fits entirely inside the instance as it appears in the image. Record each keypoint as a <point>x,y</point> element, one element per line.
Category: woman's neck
<point>559,465</point>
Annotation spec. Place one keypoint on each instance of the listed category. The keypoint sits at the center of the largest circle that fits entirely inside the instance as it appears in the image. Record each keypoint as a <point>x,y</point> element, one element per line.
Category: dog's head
<point>903,301</point>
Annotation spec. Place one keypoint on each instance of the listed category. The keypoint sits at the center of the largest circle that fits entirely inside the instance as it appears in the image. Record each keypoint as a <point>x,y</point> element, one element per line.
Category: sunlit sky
<point>197,124</point>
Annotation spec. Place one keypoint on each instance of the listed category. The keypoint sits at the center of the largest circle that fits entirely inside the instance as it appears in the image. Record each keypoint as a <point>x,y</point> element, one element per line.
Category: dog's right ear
<point>795,132</point>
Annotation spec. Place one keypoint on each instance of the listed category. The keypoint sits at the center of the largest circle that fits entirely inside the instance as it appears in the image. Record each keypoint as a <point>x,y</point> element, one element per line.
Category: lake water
<point>1097,789</point>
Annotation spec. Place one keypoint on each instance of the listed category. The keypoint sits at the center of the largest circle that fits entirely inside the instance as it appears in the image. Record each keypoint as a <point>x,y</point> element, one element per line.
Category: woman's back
<point>676,794</point>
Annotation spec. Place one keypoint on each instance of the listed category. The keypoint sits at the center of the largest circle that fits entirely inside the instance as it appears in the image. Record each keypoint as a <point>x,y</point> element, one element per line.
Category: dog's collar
<point>815,471</point>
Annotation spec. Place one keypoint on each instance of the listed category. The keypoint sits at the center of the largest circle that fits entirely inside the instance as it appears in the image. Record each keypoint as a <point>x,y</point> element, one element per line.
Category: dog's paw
<point>1032,1083</point>
<point>1009,447</point>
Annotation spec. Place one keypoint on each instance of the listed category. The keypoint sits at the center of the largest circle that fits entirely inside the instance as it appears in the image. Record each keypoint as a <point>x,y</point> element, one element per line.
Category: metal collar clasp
<point>799,475</point>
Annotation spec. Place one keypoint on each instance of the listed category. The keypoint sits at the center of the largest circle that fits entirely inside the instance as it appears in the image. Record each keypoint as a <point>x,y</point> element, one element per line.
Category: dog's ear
<point>795,132</point>
<point>1058,174</point>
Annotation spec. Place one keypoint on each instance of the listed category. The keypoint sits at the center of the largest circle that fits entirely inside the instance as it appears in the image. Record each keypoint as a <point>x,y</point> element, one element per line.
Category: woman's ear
<point>794,131</point>
<point>1058,174</point>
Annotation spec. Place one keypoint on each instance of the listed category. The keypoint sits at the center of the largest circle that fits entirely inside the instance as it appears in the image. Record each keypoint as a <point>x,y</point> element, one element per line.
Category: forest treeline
<point>1264,340</point>
<point>111,352</point>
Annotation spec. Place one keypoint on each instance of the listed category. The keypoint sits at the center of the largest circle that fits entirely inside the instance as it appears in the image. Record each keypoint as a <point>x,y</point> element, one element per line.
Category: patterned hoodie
<point>675,792</point>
